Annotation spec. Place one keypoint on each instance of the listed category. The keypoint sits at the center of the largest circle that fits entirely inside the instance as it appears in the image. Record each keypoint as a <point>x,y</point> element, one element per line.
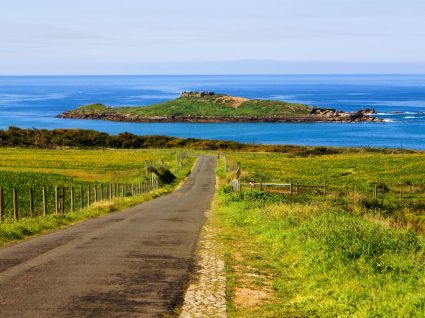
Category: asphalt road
<point>133,263</point>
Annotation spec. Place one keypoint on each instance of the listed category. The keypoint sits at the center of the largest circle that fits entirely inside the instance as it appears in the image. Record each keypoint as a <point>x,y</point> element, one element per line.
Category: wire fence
<point>40,201</point>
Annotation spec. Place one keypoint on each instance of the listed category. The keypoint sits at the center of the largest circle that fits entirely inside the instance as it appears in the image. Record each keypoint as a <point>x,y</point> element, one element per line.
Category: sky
<point>70,37</point>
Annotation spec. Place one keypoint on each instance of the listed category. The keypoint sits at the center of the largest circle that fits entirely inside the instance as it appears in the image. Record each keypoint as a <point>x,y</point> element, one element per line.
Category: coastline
<point>346,118</point>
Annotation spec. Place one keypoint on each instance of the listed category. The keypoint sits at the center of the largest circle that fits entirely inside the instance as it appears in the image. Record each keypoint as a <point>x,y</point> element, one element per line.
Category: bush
<point>164,174</point>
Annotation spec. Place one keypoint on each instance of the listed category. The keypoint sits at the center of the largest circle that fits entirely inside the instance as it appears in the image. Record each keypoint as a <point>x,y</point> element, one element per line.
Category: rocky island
<point>204,107</point>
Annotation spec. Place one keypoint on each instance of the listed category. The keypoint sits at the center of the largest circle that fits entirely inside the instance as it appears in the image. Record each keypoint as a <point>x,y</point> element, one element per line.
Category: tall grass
<point>319,260</point>
<point>343,255</point>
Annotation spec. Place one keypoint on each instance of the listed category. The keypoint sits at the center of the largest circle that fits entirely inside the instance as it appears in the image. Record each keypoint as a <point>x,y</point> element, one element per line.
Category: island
<point>209,107</point>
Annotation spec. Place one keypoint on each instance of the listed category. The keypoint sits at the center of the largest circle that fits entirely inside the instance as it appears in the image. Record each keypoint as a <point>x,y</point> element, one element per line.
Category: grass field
<point>343,255</point>
<point>351,179</point>
<point>35,168</point>
<point>83,165</point>
<point>362,169</point>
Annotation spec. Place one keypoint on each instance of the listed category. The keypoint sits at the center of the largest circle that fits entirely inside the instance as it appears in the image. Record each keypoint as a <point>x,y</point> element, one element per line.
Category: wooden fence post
<point>88,196</point>
<point>325,188</point>
<point>63,201</point>
<point>72,200</point>
<point>81,197</point>
<point>56,201</point>
<point>1,204</point>
<point>290,188</point>
<point>44,201</point>
<point>31,201</point>
<point>15,205</point>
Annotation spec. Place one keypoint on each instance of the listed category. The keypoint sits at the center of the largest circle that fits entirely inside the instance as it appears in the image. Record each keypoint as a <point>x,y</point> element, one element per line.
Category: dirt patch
<point>235,102</point>
<point>245,297</point>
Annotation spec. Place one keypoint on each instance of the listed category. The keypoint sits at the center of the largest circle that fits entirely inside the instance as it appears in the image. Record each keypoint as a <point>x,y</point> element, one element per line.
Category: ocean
<point>34,102</point>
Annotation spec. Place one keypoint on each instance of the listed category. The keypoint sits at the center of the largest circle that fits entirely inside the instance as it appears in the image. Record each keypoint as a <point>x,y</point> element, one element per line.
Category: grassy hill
<point>215,105</point>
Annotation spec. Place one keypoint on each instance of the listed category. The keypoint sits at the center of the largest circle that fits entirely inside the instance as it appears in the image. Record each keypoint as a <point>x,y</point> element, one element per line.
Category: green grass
<point>37,168</point>
<point>351,180</point>
<point>318,261</point>
<point>106,165</point>
<point>216,105</point>
<point>344,255</point>
<point>363,169</point>
<point>74,168</point>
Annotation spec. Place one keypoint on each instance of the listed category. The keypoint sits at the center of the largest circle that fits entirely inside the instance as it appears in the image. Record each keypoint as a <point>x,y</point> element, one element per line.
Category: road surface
<point>133,263</point>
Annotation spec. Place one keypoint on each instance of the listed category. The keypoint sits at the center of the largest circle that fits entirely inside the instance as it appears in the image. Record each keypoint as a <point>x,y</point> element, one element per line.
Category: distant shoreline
<point>215,119</point>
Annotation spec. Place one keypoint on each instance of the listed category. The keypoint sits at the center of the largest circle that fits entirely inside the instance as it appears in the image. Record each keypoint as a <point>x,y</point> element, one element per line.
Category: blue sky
<point>221,36</point>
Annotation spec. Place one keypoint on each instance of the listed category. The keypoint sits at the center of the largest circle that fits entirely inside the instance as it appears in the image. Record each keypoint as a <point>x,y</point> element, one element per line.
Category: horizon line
<point>213,74</point>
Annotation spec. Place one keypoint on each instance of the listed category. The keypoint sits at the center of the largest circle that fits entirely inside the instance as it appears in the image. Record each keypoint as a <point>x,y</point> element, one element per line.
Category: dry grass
<point>248,297</point>
<point>235,102</point>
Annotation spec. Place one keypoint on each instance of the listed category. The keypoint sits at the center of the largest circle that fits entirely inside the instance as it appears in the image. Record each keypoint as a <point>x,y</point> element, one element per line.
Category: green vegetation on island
<point>210,107</point>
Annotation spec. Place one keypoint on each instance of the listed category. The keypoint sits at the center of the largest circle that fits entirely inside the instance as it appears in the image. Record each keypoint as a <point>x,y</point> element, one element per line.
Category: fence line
<point>59,199</point>
<point>291,187</point>
<point>375,191</point>
<point>62,199</point>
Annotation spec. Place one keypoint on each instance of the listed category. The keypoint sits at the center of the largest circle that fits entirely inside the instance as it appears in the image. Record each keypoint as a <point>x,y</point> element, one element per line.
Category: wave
<point>399,113</point>
<point>413,117</point>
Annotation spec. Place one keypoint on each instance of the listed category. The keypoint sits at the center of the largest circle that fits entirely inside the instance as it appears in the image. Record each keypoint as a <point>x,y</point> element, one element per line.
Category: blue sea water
<point>33,101</point>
